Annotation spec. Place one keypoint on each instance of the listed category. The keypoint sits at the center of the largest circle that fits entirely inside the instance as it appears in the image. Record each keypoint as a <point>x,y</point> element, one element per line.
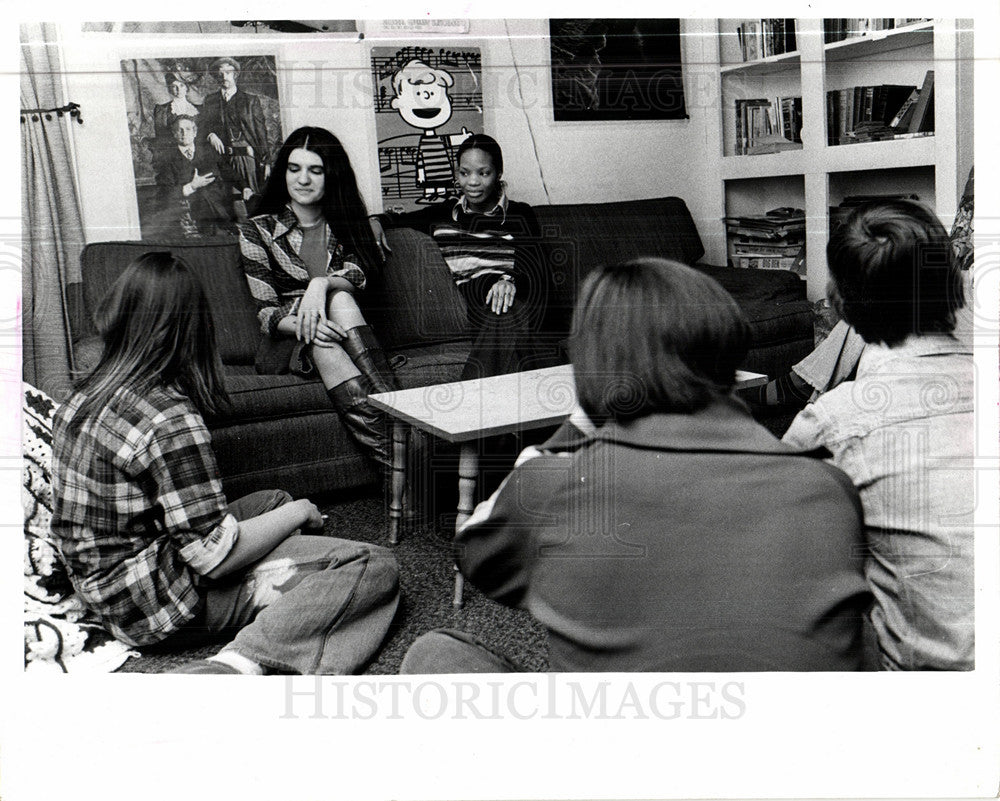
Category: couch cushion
<point>432,364</point>
<point>773,302</point>
<point>258,398</point>
<point>416,302</point>
<point>216,264</point>
<point>582,236</point>
<point>272,397</point>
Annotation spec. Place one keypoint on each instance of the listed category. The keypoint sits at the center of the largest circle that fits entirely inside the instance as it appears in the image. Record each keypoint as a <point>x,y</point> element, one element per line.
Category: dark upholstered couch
<point>283,431</point>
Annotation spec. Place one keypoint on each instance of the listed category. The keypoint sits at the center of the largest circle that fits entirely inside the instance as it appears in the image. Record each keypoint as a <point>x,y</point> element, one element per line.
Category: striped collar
<point>500,206</point>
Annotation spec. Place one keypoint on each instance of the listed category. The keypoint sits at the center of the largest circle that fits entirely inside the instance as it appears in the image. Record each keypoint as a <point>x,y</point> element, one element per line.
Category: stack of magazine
<point>771,241</point>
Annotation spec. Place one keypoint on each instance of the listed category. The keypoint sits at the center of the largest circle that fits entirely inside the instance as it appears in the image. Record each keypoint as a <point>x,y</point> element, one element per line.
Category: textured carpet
<point>426,580</point>
<point>427,576</point>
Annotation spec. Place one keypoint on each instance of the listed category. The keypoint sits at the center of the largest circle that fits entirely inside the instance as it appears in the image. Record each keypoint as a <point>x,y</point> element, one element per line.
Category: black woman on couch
<point>308,252</point>
<point>494,250</point>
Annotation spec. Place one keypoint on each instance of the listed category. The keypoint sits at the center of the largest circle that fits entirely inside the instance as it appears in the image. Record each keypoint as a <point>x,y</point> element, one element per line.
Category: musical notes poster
<point>427,101</point>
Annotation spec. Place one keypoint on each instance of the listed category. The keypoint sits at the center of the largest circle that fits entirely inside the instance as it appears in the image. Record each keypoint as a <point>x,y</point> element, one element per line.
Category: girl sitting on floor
<point>150,544</point>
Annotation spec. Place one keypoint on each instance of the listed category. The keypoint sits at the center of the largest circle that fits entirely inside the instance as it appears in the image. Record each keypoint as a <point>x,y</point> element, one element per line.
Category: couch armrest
<point>417,302</point>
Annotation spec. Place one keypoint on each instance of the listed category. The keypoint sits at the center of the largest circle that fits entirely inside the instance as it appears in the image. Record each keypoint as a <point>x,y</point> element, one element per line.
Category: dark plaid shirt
<point>138,511</point>
<point>269,247</point>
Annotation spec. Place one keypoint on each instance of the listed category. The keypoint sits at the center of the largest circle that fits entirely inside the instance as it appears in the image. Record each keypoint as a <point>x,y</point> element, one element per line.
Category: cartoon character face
<point>422,97</point>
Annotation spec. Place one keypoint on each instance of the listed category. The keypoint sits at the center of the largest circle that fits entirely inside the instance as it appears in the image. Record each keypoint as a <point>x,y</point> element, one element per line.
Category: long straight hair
<point>342,206</point>
<point>157,332</point>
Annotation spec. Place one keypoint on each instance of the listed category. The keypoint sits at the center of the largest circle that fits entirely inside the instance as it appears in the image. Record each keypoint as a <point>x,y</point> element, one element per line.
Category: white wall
<point>325,81</point>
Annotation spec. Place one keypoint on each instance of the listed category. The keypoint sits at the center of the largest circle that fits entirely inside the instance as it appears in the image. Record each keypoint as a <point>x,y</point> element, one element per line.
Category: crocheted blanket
<point>60,634</point>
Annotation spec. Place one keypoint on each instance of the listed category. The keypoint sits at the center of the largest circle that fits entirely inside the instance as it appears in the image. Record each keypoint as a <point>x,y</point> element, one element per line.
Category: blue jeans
<point>314,605</point>
<point>453,651</point>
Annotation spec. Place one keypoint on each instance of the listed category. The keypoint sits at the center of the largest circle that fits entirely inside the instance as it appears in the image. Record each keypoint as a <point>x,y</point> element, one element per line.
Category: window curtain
<point>52,230</point>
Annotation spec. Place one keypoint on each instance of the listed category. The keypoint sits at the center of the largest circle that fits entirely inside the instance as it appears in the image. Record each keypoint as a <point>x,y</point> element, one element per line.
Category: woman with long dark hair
<point>139,516</point>
<point>308,253</point>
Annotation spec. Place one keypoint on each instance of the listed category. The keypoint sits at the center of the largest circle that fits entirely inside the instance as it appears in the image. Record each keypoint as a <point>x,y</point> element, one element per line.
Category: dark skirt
<point>502,343</point>
<point>279,355</point>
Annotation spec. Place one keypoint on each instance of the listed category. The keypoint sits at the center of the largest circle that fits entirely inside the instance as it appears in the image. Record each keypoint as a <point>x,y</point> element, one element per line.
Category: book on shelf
<point>761,38</point>
<point>767,125</point>
<point>774,224</point>
<point>902,118</point>
<point>876,113</point>
<point>923,112</point>
<point>837,30</point>
<point>745,246</point>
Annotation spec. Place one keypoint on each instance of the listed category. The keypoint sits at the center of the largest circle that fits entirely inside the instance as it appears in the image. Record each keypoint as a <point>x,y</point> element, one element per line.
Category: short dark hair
<point>488,145</point>
<point>893,272</point>
<point>175,123</point>
<point>653,335</point>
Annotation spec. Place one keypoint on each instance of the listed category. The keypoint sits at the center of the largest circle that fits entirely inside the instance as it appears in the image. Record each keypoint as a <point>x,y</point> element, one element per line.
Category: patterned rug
<point>60,635</point>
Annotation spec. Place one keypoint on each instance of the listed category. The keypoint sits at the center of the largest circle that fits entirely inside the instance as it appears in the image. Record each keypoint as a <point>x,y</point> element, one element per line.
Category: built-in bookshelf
<point>838,30</point>
<point>814,114</point>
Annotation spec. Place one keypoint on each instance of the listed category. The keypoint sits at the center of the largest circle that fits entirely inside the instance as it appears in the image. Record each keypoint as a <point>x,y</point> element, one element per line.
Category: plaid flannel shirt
<point>269,247</point>
<point>138,511</point>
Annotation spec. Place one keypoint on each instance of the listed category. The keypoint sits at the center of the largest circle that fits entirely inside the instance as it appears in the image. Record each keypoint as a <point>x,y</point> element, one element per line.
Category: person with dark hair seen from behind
<point>140,519</point>
<point>903,430</point>
<point>308,253</point>
<point>661,528</point>
<point>494,249</point>
<point>835,359</point>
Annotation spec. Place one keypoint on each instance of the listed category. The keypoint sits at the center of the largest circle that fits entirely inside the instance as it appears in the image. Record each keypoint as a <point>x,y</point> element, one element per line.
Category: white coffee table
<point>465,412</point>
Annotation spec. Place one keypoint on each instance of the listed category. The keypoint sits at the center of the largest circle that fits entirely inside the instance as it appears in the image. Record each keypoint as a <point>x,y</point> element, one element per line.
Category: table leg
<point>468,475</point>
<point>457,601</point>
<point>398,479</point>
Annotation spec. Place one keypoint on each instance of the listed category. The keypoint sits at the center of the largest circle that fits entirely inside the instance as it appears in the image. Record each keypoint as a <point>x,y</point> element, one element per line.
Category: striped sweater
<point>503,242</point>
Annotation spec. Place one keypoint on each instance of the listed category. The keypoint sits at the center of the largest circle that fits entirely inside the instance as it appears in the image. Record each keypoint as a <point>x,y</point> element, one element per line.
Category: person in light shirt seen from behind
<point>903,431</point>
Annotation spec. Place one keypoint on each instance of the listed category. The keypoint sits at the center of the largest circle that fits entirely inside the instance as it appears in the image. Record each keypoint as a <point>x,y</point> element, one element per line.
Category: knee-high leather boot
<point>367,424</point>
<point>368,356</point>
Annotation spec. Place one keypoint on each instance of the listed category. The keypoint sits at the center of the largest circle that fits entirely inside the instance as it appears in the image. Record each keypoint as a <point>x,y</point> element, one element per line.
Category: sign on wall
<point>427,101</point>
<point>203,131</point>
